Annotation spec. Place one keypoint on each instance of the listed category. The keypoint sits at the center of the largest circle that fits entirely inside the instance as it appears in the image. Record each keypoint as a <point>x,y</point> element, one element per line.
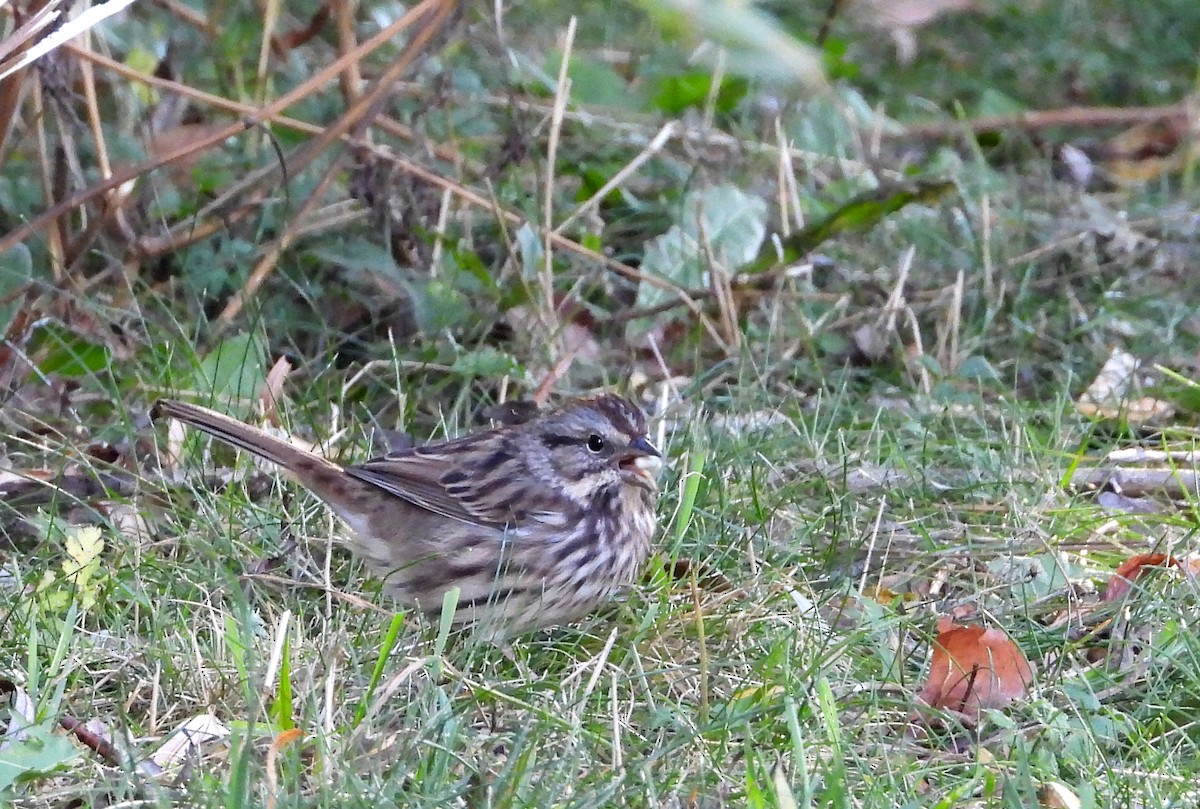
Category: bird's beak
<point>641,458</point>
<point>642,446</point>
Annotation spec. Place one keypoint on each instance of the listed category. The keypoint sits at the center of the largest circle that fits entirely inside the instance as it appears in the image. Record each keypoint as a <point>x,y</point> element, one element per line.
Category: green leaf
<point>282,709</point>
<point>67,353</point>
<point>720,224</point>
<point>826,122</point>
<point>531,251</point>
<point>385,649</point>
<point>359,255</point>
<point>465,264</point>
<point>595,83</point>
<point>692,480</point>
<point>84,546</point>
<point>437,306</point>
<point>754,43</point>
<point>977,367</point>
<point>209,269</point>
<point>678,93</point>
<point>592,179</point>
<point>860,214</point>
<point>143,60</point>
<point>1178,389</point>
<point>837,66</point>
<point>234,369</point>
<point>487,362</point>
<point>449,607</point>
<point>38,753</point>
<point>51,598</point>
<point>592,241</point>
<point>16,269</point>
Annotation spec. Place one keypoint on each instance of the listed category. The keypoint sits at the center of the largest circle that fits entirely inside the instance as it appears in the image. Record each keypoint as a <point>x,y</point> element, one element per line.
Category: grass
<point>878,438</point>
<point>796,682</point>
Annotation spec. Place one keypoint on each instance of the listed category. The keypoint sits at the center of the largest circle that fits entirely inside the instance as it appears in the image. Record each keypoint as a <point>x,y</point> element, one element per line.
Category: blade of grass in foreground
<point>691,485</point>
<point>385,651</point>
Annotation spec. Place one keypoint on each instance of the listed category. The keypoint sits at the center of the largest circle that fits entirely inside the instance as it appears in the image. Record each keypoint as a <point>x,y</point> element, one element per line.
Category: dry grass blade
<point>12,46</point>
<point>69,30</point>
<point>546,307</point>
<point>26,33</point>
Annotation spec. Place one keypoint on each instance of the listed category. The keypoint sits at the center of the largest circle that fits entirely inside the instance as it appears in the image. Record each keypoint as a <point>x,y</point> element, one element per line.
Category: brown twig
<point>190,16</point>
<point>351,78</point>
<point>98,744</point>
<point>1073,117</point>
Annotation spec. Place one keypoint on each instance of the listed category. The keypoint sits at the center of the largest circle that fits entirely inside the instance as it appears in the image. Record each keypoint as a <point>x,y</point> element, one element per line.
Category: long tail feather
<point>252,439</point>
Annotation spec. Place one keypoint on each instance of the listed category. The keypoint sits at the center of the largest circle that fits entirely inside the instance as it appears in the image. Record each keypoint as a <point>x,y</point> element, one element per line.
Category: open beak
<point>642,459</point>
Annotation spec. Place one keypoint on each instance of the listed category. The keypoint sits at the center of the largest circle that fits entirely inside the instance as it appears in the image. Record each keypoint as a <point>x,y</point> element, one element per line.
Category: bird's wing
<point>438,482</point>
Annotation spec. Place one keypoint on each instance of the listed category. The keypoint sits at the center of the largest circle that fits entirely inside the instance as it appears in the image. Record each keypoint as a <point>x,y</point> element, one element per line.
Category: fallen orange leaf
<point>974,668</point>
<point>1122,581</point>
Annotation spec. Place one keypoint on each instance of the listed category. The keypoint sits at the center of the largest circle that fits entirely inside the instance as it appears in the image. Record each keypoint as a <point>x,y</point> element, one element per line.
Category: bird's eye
<point>595,443</point>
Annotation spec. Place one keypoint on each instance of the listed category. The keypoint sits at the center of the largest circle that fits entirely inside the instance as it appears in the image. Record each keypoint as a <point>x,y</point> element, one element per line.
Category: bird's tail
<point>258,442</point>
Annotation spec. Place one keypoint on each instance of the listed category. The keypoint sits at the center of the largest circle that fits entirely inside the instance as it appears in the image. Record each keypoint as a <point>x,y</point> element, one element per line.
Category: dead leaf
<point>871,343</point>
<point>1112,396</point>
<point>130,523</point>
<point>1128,571</point>
<point>1176,483</point>
<point>1119,501</point>
<point>1189,564</point>
<point>1145,455</point>
<point>571,338</point>
<point>22,713</point>
<point>187,740</point>
<point>886,596</point>
<point>1054,795</point>
<point>97,737</point>
<point>1147,151</point>
<point>272,389</point>
<point>1079,166</point>
<point>171,452</point>
<point>974,668</point>
<point>739,424</point>
<point>269,563</point>
<point>1143,410</point>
